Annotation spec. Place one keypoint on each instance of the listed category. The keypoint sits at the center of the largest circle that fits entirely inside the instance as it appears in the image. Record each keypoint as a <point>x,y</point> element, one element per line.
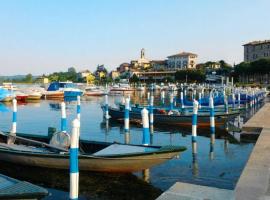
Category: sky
<point>44,36</point>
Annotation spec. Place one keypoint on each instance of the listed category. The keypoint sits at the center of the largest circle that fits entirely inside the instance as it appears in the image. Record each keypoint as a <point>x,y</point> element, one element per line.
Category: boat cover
<point>116,149</point>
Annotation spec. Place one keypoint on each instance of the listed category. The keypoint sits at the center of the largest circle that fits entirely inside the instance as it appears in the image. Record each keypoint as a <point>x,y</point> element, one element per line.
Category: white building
<point>183,60</point>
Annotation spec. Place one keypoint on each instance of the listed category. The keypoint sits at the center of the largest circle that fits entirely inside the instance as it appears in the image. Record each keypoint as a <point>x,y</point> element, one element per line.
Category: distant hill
<point>14,77</point>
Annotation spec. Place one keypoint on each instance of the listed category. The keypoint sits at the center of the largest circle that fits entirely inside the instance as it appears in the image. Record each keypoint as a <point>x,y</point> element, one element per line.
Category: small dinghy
<point>93,156</point>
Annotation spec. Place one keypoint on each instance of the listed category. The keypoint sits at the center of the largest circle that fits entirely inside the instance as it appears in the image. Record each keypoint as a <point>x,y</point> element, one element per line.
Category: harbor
<point>134,100</point>
<point>218,161</point>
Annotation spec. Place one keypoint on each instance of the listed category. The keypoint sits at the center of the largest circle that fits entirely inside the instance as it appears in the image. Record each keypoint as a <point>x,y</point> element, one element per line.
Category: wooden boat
<point>15,189</point>
<point>173,119</point>
<point>54,94</point>
<point>93,156</point>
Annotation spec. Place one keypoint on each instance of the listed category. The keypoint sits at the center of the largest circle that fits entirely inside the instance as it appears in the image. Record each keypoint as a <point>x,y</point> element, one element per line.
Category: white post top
<point>195,106</point>
<point>14,102</point>
<point>144,111</point>
<point>78,99</point>
<point>76,123</point>
<point>63,109</point>
<point>211,102</point>
<point>127,100</point>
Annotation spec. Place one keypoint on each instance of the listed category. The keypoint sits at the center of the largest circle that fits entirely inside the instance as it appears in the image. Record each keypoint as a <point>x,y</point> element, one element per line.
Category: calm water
<point>220,169</point>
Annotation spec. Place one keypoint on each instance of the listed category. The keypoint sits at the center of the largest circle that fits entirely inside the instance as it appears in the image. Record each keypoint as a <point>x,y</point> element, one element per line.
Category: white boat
<point>122,87</point>
<point>94,91</point>
<point>9,86</point>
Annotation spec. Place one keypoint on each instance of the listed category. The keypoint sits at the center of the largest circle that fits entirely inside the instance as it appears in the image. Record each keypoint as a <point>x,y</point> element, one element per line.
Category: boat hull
<point>87,163</point>
<point>181,120</point>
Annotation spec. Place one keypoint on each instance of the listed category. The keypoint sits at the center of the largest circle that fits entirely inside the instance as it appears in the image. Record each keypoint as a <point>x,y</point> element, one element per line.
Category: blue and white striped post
<point>106,107</point>
<point>148,97</point>
<point>14,117</point>
<point>163,97</point>
<point>226,110</point>
<point>126,120</point>
<point>233,99</point>
<point>74,161</point>
<point>239,100</point>
<point>171,101</point>
<point>151,110</point>
<point>212,115</point>
<point>145,122</point>
<point>182,100</point>
<point>79,108</point>
<point>63,117</point>
<point>200,100</point>
<point>194,127</point>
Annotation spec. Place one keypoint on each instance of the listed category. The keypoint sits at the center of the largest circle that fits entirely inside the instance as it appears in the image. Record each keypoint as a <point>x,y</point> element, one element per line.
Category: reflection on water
<point>218,159</point>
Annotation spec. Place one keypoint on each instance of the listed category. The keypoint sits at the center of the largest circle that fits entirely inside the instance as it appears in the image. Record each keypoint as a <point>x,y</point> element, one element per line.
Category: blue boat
<point>5,95</point>
<point>68,88</point>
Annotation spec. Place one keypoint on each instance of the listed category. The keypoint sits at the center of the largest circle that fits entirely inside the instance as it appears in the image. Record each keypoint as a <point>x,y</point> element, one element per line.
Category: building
<point>256,50</point>
<point>183,60</point>
<point>84,73</point>
<point>142,63</point>
<point>154,75</point>
<point>124,67</point>
<point>114,74</point>
<point>158,65</point>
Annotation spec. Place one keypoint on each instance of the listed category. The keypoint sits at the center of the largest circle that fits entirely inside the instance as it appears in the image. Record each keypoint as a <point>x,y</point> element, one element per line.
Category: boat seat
<point>115,149</point>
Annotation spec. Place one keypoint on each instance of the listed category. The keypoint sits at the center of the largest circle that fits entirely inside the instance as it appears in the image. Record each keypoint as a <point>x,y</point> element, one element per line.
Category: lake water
<point>221,168</point>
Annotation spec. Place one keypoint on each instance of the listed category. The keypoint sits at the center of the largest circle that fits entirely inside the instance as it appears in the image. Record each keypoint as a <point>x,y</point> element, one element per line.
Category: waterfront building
<point>124,67</point>
<point>142,63</point>
<point>84,73</point>
<point>256,50</point>
<point>154,75</point>
<point>183,60</point>
<point>114,74</point>
<point>158,65</point>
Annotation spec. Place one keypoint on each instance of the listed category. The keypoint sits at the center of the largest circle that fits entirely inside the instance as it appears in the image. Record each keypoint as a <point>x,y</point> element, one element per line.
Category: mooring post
<point>226,110</point>
<point>74,161</point>
<point>14,116</point>
<point>151,110</point>
<point>212,126</point>
<point>79,108</point>
<point>163,97</point>
<point>171,101</point>
<point>148,97</point>
<point>200,100</point>
<point>194,127</point>
<point>182,100</point>
<point>106,107</point>
<point>233,99</point>
<point>126,117</point>
<point>239,100</point>
<point>63,117</point>
<point>145,121</point>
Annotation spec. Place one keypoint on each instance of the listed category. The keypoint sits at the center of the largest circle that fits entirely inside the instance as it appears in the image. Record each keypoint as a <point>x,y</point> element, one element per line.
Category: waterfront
<point>221,169</point>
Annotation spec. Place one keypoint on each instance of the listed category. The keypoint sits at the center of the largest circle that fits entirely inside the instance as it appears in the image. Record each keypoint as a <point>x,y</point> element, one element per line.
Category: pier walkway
<point>254,182</point>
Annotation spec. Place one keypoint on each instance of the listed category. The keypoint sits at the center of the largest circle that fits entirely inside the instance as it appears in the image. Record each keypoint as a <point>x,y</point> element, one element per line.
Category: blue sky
<point>42,36</point>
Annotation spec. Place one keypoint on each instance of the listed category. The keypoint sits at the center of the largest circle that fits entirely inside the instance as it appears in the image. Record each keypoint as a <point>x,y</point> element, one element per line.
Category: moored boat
<point>5,95</point>
<point>59,90</point>
<point>93,156</point>
<point>172,118</point>
<point>94,91</point>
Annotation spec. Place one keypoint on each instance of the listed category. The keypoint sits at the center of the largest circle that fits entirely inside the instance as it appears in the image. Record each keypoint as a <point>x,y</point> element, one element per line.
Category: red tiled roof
<point>257,42</point>
<point>182,54</point>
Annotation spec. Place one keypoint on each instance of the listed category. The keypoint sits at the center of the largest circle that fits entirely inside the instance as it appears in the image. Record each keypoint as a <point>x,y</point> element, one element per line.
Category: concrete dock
<point>254,182</point>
